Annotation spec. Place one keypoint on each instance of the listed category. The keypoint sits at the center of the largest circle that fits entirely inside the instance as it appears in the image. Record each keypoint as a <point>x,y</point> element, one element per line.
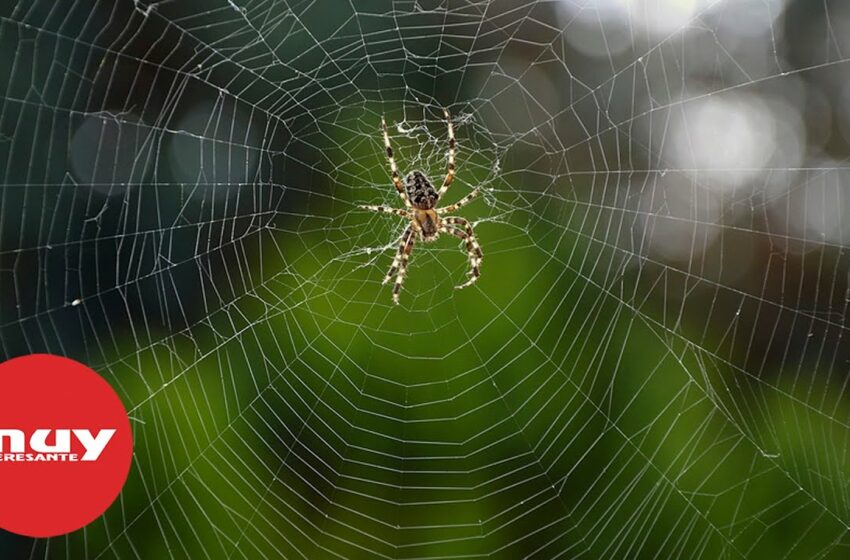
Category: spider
<point>420,200</point>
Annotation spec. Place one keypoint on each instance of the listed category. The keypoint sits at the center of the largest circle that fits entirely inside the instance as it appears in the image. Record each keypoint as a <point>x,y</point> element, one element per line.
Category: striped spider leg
<point>393,167</point>
<point>461,228</point>
<point>400,261</point>
<point>450,173</point>
<point>460,203</point>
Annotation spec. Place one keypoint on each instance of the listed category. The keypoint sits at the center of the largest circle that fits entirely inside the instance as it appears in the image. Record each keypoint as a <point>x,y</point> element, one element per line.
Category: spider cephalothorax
<point>420,199</point>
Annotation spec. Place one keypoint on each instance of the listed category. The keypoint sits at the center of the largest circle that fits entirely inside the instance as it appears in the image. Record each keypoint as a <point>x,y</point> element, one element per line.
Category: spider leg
<point>473,249</point>
<point>405,237</point>
<point>393,167</point>
<point>460,203</point>
<point>453,230</point>
<point>404,253</point>
<point>450,174</point>
<point>384,210</point>
<point>474,255</point>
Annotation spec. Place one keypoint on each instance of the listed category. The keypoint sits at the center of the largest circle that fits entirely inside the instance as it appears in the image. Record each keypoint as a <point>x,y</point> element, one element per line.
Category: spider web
<point>653,364</point>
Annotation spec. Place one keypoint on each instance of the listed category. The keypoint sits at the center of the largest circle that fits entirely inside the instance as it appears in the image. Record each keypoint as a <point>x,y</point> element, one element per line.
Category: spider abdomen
<point>420,191</point>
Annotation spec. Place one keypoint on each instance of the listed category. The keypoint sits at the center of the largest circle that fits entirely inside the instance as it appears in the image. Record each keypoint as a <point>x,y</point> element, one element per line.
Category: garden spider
<point>420,200</point>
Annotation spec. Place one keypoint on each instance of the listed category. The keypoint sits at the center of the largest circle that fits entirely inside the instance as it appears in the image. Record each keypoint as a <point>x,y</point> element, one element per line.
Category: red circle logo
<point>65,445</point>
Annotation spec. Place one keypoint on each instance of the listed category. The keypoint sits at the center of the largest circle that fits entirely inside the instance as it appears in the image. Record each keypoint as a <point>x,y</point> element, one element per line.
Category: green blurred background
<point>653,365</point>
